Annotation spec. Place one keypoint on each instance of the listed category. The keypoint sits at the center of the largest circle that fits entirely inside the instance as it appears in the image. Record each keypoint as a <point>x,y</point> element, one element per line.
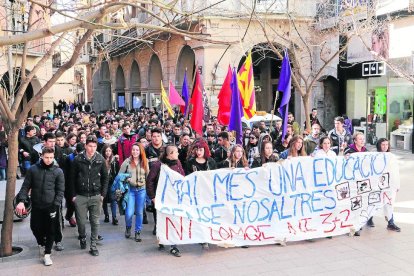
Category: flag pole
<point>273,110</point>
<point>162,102</point>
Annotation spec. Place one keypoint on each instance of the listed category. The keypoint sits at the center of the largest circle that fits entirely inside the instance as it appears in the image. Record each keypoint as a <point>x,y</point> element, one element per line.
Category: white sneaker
<point>41,251</point>
<point>47,260</point>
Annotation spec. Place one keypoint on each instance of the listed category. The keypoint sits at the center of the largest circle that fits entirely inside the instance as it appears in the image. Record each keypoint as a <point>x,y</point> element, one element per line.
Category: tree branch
<point>76,52</point>
<point>59,28</point>
<point>25,83</point>
<point>5,107</point>
<point>26,45</point>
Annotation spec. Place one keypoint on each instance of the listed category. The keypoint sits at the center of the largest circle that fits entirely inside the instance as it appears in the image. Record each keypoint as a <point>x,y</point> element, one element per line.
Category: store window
<point>400,113</point>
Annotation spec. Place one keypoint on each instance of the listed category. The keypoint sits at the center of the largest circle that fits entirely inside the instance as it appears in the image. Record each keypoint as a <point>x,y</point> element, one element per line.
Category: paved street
<point>376,252</point>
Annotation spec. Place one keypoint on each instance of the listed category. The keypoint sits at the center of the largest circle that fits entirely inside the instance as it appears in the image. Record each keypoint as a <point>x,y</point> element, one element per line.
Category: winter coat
<point>335,137</point>
<point>153,154</point>
<point>192,165</point>
<point>352,149</point>
<point>125,146</point>
<point>47,185</point>
<point>121,185</point>
<point>258,160</point>
<point>26,144</point>
<point>154,175</point>
<point>89,177</point>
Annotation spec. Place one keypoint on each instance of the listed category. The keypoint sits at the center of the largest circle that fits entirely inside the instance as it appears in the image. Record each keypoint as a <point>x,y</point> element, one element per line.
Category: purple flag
<point>184,93</point>
<point>284,87</point>
<point>236,111</point>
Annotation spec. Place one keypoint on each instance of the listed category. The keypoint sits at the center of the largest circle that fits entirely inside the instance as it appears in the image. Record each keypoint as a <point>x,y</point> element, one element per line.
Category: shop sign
<point>371,69</point>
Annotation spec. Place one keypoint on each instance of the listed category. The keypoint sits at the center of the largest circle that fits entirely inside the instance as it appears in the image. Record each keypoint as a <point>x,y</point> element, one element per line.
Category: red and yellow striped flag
<point>246,87</point>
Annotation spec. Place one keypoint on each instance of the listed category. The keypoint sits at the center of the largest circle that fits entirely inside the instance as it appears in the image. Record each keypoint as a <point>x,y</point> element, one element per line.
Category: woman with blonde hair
<point>137,166</point>
<point>237,158</point>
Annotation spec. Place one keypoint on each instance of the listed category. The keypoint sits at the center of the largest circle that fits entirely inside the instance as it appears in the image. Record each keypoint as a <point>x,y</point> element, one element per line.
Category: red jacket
<point>125,146</point>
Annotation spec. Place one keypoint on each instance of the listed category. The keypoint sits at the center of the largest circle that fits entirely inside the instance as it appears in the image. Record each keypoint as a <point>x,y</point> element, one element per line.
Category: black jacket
<point>47,184</point>
<point>26,144</point>
<point>192,165</point>
<point>89,177</point>
<point>220,156</point>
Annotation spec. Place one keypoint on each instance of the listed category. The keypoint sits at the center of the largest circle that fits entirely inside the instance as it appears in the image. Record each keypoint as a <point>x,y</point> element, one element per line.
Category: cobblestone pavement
<point>376,252</point>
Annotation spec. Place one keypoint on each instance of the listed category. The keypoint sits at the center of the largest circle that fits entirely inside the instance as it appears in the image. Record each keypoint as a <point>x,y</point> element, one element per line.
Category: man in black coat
<point>47,184</point>
<point>89,185</point>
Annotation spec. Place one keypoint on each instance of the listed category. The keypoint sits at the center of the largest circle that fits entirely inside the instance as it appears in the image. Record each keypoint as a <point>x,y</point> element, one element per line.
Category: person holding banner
<point>383,145</point>
<point>358,145</point>
<point>237,158</point>
<point>266,155</point>
<point>170,158</point>
<point>324,149</point>
<point>137,166</point>
<point>200,161</point>
<point>296,148</point>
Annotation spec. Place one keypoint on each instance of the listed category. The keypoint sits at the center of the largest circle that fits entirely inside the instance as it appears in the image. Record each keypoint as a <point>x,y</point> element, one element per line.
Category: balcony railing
<point>35,47</point>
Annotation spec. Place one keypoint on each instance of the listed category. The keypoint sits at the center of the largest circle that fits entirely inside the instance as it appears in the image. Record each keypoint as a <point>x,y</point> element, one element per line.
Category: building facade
<point>132,74</point>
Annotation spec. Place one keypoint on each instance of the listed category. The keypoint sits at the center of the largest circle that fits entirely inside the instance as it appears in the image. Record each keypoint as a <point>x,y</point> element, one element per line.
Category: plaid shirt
<point>253,152</point>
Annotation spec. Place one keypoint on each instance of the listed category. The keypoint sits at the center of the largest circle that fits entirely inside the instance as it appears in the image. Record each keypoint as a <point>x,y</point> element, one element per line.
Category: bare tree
<point>314,45</point>
<point>88,21</point>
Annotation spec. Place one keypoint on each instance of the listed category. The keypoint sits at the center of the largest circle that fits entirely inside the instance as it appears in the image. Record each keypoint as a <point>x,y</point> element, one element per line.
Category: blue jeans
<point>136,200</point>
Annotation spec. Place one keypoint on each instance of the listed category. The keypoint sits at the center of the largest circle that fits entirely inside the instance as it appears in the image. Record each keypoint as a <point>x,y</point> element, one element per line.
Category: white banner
<point>301,198</point>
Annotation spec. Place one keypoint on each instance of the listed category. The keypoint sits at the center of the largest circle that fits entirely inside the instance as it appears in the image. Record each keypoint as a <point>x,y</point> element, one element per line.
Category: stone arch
<point>101,88</point>
<point>185,61</point>
<point>266,70</point>
<point>120,87</point>
<point>32,89</point>
<point>154,82</point>
<point>135,85</point>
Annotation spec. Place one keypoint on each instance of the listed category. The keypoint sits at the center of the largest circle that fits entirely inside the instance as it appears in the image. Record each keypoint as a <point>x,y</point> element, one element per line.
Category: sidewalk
<point>376,252</point>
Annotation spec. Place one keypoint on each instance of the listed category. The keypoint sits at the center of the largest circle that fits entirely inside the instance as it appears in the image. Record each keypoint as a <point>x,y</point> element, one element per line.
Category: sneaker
<point>100,238</point>
<point>72,222</point>
<point>370,222</point>
<point>47,260</point>
<point>205,246</point>
<point>357,233</point>
<point>161,247</point>
<point>114,221</point>
<point>59,246</point>
<point>94,252</point>
<point>106,218</point>
<point>175,252</point>
<point>128,232</point>
<point>393,227</point>
<point>41,251</point>
<point>82,242</point>
<point>138,236</point>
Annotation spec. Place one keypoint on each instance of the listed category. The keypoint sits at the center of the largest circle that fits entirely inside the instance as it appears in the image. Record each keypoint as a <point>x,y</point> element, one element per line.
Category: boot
<point>145,219</point>
<point>114,221</point>
<point>138,236</point>
<point>128,232</point>
<point>82,242</point>
<point>106,218</point>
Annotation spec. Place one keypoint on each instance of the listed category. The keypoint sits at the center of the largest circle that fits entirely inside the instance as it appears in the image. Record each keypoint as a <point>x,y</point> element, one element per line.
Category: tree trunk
<point>305,100</point>
<point>7,226</point>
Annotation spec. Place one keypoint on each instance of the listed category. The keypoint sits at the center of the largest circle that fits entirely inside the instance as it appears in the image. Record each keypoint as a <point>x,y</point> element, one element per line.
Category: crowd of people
<point>87,158</point>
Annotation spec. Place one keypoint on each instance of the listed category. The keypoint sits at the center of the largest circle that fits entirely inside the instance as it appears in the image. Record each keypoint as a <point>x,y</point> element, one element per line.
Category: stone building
<point>134,70</point>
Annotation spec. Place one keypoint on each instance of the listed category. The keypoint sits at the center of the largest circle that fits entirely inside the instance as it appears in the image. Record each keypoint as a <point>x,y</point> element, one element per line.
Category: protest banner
<point>297,199</point>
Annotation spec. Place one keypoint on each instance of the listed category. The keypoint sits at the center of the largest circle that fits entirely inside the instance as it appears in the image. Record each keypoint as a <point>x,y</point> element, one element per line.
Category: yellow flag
<point>246,86</point>
<point>166,101</point>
